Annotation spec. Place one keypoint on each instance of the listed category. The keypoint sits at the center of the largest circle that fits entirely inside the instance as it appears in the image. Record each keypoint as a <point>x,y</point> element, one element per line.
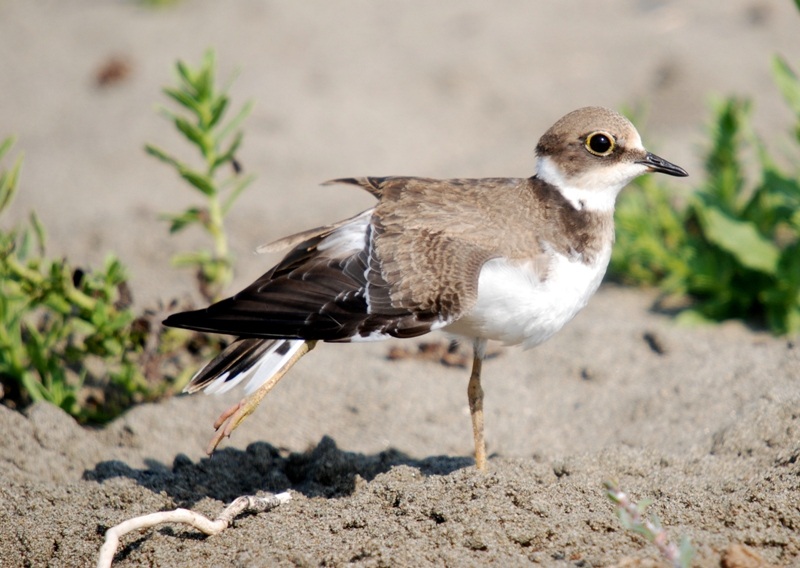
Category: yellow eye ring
<point>600,143</point>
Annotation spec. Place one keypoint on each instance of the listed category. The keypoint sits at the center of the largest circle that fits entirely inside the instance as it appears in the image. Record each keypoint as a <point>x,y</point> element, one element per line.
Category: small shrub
<point>66,335</point>
<point>733,247</point>
<point>204,106</point>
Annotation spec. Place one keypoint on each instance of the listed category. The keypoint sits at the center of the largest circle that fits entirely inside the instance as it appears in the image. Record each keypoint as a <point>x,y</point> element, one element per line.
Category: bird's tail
<point>253,359</point>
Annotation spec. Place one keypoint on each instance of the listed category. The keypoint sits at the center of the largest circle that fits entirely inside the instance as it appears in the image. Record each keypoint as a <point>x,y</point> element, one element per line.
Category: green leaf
<point>82,326</point>
<point>723,164</point>
<point>182,98</point>
<point>163,156</point>
<point>204,79</point>
<point>180,221</point>
<point>32,385</point>
<point>8,183</point>
<point>739,238</point>
<point>116,273</point>
<point>112,346</point>
<point>218,110</point>
<point>228,154</point>
<point>36,350</point>
<point>200,181</point>
<point>192,132</point>
<point>6,145</point>
<point>787,82</point>
<point>235,192</point>
<point>236,121</point>
<point>186,73</point>
<point>38,230</point>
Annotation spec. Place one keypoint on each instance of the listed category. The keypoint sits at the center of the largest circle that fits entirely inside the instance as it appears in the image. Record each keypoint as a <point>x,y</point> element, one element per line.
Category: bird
<point>504,259</point>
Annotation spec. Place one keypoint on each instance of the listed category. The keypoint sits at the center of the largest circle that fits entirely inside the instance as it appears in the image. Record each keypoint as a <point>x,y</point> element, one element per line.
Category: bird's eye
<point>600,143</point>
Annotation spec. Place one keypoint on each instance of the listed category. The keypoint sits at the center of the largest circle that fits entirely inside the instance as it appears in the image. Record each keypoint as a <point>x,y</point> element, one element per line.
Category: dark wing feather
<point>236,359</point>
<point>314,293</point>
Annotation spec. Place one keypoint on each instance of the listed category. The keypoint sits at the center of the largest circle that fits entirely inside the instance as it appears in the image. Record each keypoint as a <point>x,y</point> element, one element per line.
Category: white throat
<point>594,190</point>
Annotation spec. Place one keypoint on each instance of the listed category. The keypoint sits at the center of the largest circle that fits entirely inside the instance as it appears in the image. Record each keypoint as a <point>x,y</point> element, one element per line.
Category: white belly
<point>515,306</point>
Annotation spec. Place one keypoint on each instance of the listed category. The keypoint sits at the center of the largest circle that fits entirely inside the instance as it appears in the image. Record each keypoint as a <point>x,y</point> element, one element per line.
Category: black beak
<point>656,164</point>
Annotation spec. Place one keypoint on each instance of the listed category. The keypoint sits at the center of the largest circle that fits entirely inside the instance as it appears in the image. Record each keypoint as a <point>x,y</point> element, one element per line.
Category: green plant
<point>632,517</point>
<point>734,246</point>
<point>201,123</point>
<point>66,335</point>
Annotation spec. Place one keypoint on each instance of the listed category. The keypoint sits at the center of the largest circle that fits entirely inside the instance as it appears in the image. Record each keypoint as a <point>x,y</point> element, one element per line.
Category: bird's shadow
<point>324,471</point>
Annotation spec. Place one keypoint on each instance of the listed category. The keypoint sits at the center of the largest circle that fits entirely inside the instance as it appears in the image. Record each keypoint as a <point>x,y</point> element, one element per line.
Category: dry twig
<point>244,504</point>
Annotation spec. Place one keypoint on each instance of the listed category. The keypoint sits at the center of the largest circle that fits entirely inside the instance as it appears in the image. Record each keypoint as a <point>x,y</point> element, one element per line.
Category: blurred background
<point>440,89</point>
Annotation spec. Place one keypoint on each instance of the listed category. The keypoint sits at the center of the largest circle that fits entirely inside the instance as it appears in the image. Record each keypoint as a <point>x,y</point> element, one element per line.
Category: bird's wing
<point>329,287</point>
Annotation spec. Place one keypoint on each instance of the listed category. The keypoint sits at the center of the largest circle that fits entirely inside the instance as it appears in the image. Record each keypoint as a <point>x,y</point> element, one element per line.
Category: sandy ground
<point>703,422</point>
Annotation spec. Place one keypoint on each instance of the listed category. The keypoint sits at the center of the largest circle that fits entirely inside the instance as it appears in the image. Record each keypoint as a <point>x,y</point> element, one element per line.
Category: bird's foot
<point>231,419</point>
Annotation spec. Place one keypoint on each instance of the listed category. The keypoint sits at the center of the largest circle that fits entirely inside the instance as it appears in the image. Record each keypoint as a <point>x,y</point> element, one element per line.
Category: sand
<point>703,422</point>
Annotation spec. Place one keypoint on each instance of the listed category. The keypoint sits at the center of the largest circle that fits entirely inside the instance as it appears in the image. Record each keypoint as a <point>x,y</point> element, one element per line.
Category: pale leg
<point>475,396</point>
<point>234,416</point>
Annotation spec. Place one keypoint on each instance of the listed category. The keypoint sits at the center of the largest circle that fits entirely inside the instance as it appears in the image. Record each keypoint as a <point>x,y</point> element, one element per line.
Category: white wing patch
<point>259,373</point>
<point>347,239</point>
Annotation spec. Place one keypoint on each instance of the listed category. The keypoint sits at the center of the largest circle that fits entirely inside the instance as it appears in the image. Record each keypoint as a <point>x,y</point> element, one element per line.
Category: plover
<point>510,260</point>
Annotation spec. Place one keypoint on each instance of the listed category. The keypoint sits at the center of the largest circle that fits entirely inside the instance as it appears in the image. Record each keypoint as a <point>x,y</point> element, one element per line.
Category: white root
<point>244,504</point>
